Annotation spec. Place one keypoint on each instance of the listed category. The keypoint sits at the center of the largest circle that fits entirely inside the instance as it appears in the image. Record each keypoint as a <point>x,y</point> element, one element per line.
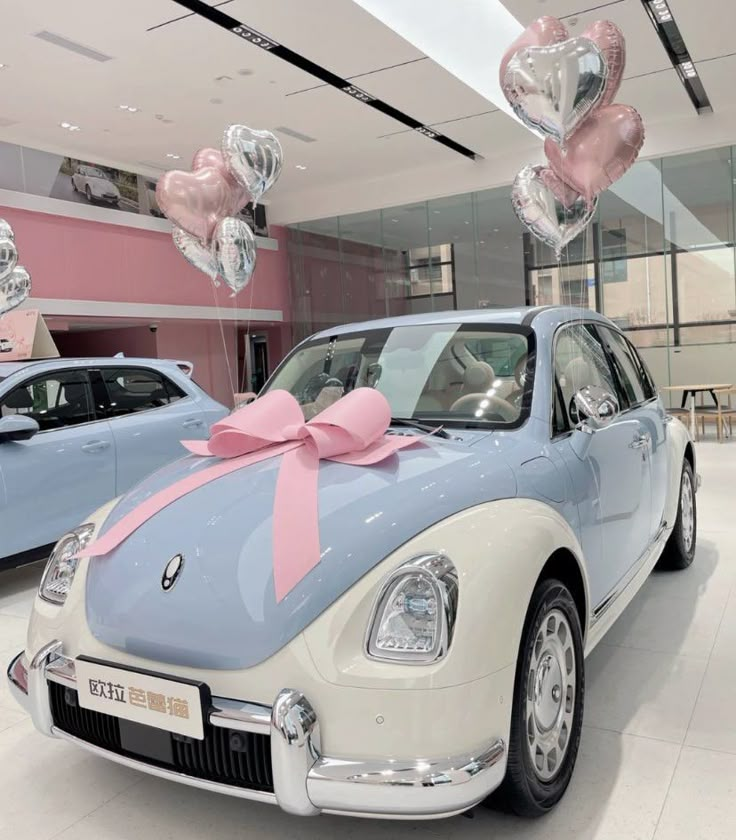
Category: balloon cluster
<point>15,281</point>
<point>202,204</point>
<point>564,88</point>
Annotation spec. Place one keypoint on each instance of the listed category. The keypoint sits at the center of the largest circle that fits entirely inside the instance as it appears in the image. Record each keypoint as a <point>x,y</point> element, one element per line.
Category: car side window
<point>579,361</point>
<point>626,370</point>
<point>131,390</point>
<point>645,376</point>
<point>54,400</point>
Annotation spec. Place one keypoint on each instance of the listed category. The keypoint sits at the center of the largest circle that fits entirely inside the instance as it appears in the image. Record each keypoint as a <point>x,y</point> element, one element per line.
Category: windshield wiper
<point>423,427</point>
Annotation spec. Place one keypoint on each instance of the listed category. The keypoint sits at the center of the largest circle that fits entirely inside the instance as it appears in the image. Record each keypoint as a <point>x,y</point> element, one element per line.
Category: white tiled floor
<point>657,761</point>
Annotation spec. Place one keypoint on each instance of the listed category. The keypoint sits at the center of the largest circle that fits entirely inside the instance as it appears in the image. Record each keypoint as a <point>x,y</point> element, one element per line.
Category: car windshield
<point>95,173</point>
<point>451,374</point>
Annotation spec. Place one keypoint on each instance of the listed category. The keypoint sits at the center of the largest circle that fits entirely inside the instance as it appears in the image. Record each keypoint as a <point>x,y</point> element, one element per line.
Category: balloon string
<point>248,356</point>
<point>224,342</point>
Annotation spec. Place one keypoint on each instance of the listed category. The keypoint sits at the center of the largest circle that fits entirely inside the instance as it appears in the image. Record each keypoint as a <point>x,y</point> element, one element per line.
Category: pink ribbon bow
<point>351,431</point>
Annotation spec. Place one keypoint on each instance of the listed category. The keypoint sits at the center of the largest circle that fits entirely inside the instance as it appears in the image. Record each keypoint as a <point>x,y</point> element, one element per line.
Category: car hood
<point>222,612</point>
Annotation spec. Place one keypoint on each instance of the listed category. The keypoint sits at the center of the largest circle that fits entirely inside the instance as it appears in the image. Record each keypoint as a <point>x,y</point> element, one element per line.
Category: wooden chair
<point>722,414</point>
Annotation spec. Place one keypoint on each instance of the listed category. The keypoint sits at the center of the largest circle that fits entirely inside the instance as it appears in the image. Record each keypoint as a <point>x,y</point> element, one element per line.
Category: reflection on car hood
<point>103,185</point>
<point>222,612</point>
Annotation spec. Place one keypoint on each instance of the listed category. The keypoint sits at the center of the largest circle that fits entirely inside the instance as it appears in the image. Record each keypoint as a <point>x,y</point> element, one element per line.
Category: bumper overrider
<point>304,781</point>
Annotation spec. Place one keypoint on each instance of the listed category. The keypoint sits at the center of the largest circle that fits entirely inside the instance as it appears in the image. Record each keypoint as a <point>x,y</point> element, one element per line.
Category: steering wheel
<point>312,389</point>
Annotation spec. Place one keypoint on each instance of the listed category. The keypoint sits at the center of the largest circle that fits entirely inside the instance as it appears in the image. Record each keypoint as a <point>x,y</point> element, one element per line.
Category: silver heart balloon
<point>548,209</point>
<point>195,253</point>
<point>552,89</point>
<point>14,289</point>
<point>8,256</point>
<point>6,232</point>
<point>234,249</point>
<point>253,158</point>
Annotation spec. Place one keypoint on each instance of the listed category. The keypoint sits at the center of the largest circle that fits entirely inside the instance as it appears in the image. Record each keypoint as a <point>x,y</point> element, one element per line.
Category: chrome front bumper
<point>305,781</point>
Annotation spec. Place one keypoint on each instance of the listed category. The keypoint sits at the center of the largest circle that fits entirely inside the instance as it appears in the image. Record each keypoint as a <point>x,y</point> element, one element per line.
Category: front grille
<point>226,756</point>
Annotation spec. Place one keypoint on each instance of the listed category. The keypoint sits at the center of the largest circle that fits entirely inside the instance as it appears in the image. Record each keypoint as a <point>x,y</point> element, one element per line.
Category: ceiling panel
<point>707,26</point>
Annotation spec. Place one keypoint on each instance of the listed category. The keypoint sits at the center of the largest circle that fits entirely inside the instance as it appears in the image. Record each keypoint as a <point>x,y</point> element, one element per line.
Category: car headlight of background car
<point>414,615</point>
<point>62,565</point>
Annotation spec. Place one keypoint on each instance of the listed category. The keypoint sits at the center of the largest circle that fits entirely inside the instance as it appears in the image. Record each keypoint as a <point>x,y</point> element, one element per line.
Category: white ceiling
<point>360,158</point>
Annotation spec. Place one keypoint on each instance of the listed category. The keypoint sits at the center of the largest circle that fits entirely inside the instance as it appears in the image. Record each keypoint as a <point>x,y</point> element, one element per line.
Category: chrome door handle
<point>192,422</point>
<point>95,446</point>
<point>641,441</point>
<point>668,418</point>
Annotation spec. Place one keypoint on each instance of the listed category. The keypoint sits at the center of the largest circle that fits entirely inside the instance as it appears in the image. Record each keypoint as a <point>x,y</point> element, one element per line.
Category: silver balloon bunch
<point>202,204</point>
<point>15,281</point>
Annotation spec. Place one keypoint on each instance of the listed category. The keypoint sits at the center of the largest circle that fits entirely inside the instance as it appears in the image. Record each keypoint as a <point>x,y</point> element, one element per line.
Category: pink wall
<point>83,260</point>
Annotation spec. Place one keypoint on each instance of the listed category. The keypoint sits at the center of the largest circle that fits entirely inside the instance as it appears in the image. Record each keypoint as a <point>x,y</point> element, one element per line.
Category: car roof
<point>8,368</point>
<point>519,315</point>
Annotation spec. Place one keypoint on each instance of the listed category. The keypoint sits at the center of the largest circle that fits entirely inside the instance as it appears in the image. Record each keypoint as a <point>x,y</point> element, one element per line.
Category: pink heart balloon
<point>195,201</point>
<point>602,149</point>
<point>611,42</point>
<point>565,194</point>
<point>209,157</point>
<point>544,31</point>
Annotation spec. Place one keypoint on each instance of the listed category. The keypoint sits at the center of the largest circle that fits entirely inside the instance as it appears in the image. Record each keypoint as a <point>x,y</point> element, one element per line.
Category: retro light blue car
<point>75,433</point>
<point>434,655</point>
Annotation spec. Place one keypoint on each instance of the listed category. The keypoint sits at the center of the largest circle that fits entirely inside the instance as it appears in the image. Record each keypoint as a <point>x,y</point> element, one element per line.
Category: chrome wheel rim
<point>550,696</point>
<point>687,512</point>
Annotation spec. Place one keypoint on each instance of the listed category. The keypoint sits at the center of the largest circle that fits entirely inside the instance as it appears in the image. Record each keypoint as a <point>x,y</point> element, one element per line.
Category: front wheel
<point>679,552</point>
<point>547,715</point>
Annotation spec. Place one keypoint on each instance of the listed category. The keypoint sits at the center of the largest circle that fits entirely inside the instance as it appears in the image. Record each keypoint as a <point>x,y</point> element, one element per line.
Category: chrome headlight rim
<point>440,571</point>
<point>64,552</point>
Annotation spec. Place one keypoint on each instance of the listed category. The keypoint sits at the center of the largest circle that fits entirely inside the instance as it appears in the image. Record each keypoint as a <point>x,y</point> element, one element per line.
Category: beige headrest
<point>479,376</point>
<point>578,374</point>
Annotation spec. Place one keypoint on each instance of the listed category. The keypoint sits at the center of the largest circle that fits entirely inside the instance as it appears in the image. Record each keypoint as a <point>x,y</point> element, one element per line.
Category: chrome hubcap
<point>550,697</point>
<point>687,511</point>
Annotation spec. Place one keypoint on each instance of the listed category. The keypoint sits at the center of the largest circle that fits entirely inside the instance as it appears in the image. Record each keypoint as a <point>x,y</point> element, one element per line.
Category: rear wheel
<point>547,715</point>
<point>679,552</point>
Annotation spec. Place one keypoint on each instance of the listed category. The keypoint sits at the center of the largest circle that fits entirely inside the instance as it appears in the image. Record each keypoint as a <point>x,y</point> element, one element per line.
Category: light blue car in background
<point>75,433</point>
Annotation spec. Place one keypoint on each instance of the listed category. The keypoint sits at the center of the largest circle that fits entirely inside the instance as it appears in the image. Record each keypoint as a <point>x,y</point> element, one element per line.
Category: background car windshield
<point>451,373</point>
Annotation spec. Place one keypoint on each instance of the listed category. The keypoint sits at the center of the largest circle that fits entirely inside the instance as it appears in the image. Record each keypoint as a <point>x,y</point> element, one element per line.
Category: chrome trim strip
<point>236,714</point>
<point>37,691</point>
<point>610,599</point>
<point>17,674</point>
<point>432,787</point>
<point>171,775</point>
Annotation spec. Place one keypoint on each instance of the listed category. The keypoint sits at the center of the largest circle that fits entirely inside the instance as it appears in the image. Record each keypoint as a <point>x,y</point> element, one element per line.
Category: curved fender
<point>678,438</point>
<point>499,549</point>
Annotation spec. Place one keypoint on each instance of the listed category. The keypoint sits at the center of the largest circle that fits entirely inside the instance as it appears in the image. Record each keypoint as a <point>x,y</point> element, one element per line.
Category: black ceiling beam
<point>674,44</point>
<point>258,39</point>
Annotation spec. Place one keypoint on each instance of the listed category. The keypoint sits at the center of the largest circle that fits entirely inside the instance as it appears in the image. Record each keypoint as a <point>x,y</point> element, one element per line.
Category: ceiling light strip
<point>669,34</point>
<point>258,39</point>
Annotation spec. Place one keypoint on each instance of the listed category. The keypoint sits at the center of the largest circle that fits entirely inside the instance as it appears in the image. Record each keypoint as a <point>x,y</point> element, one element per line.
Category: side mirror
<point>17,427</point>
<point>595,408</point>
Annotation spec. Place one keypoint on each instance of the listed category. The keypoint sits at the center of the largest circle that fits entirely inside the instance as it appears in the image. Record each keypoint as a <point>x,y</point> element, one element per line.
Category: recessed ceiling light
<point>435,211</point>
<point>131,108</point>
<point>394,220</point>
<point>467,223</point>
<point>69,126</point>
<point>172,155</point>
<point>495,230</point>
<point>3,66</point>
<point>300,166</point>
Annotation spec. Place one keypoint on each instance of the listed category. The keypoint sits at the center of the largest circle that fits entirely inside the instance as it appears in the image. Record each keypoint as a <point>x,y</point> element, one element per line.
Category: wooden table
<point>691,391</point>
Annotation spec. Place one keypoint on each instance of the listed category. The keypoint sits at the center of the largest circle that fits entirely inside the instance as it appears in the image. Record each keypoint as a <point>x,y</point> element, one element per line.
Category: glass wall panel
<point>658,259</point>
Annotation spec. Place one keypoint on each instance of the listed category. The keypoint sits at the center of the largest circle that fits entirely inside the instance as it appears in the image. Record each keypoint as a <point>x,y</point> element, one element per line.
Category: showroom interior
<point>397,150</point>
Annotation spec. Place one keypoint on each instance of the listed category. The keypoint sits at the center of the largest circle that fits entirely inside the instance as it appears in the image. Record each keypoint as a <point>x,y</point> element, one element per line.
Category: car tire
<point>547,714</point>
<point>88,193</point>
<point>679,552</point>
<point>74,186</point>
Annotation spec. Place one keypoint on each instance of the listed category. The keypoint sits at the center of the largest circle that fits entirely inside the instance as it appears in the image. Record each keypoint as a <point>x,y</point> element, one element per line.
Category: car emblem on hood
<point>172,572</point>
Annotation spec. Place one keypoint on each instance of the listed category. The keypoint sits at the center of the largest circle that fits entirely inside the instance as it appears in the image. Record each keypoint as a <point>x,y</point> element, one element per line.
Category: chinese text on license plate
<point>142,698</point>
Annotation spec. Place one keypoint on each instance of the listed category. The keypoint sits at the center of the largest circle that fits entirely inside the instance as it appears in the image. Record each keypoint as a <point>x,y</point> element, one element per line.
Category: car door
<point>611,481</point>
<point>149,415</point>
<point>64,472</point>
<point>645,405</point>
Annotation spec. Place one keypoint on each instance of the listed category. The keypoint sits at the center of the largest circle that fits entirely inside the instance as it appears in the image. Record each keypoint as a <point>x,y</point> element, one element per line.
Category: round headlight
<point>62,565</point>
<point>414,615</point>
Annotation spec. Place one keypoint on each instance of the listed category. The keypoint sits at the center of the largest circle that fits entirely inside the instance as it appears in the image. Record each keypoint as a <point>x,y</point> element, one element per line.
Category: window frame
<point>40,377</point>
<point>106,401</point>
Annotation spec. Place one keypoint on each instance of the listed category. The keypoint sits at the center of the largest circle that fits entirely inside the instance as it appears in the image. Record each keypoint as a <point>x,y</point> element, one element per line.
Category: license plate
<point>153,700</point>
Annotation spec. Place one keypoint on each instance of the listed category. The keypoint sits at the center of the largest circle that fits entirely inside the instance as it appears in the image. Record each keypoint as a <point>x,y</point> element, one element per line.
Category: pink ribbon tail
<point>296,548</point>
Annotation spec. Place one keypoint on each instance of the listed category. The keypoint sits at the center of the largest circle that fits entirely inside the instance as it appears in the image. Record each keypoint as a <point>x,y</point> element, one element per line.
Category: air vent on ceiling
<point>73,46</point>
<point>5,122</point>
<point>297,135</point>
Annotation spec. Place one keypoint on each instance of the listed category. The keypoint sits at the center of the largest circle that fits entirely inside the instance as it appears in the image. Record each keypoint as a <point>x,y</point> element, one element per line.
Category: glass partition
<point>658,260</point>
